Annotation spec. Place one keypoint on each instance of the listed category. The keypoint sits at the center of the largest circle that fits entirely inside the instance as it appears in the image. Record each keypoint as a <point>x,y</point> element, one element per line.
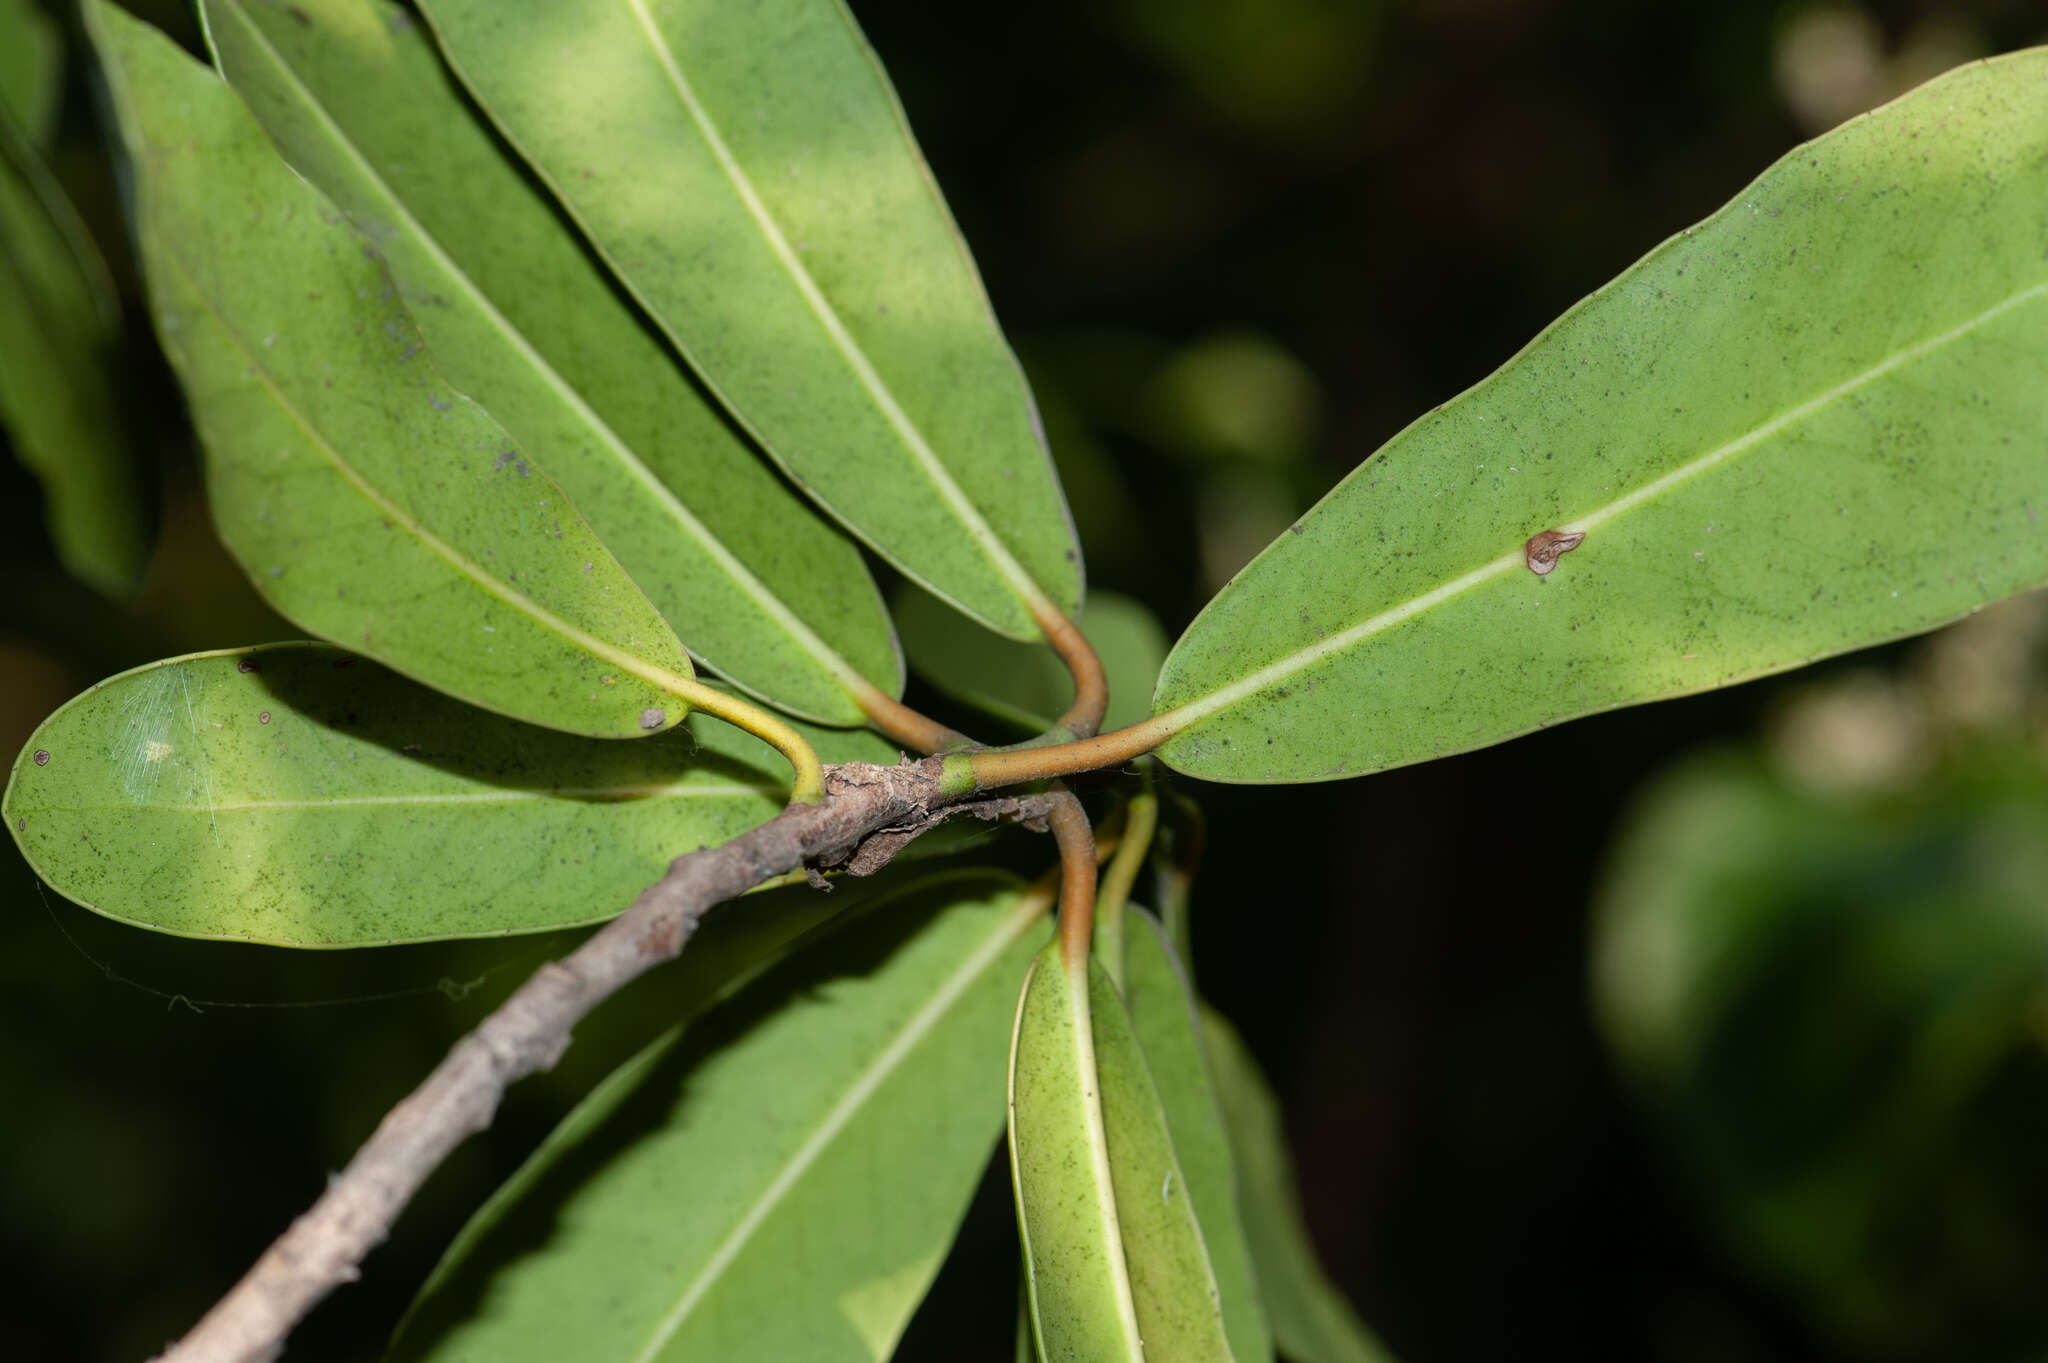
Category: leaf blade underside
<point>674,1201</point>
<point>521,318</point>
<point>1742,425</point>
<point>297,795</point>
<point>1118,1266</point>
<point>368,500</point>
<point>747,173</point>
<point>1164,1020</point>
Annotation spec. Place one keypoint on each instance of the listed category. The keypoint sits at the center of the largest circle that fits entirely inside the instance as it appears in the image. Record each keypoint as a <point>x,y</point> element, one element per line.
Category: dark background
<point>1334,215</point>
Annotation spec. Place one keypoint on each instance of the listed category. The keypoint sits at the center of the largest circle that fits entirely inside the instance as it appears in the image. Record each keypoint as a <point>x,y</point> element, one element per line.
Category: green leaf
<point>1163,1017</point>
<point>1026,684</point>
<point>1809,424</point>
<point>1312,1322</point>
<point>31,70</point>
<point>522,319</point>
<point>1079,1288</point>
<point>1110,1240</point>
<point>368,500</point>
<point>297,795</point>
<point>780,1181</point>
<point>59,326</point>
<point>747,172</point>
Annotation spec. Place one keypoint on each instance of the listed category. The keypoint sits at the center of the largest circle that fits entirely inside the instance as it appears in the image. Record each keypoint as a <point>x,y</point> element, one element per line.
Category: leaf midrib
<point>1081,1021</point>
<point>743,577</point>
<point>654,675</point>
<point>922,455</point>
<point>919,1026</point>
<point>1190,713</point>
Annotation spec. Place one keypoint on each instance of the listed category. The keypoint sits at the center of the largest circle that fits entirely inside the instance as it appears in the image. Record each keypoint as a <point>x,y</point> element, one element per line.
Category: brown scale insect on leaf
<point>1543,550</point>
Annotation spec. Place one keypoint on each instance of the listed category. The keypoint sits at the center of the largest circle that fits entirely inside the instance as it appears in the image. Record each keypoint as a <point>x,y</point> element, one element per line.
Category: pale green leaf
<point>1811,423</point>
<point>1116,1261</point>
<point>297,795</point>
<point>521,318</point>
<point>31,70</point>
<point>748,174</point>
<point>1078,1287</point>
<point>1311,1320</point>
<point>58,333</point>
<point>368,500</point>
<point>1026,684</point>
<point>778,1182</point>
<point>1163,1017</point>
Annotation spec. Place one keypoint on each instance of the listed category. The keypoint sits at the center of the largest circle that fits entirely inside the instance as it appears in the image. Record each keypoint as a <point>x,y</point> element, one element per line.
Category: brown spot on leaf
<point>246,665</point>
<point>1542,550</point>
<point>42,757</point>
<point>263,718</point>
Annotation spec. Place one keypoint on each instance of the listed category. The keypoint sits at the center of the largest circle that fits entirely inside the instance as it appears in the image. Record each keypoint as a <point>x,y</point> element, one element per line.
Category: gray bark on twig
<point>868,815</point>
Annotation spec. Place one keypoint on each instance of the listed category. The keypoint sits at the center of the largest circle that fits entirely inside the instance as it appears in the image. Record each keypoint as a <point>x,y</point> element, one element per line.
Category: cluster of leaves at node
<point>545,354</point>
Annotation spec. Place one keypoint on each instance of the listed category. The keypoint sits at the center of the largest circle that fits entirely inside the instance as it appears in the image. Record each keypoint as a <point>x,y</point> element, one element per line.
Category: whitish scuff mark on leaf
<point>143,749</point>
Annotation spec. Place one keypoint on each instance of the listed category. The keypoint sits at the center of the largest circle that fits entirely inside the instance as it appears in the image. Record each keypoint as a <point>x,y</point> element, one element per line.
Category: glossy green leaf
<point>31,70</point>
<point>1116,1261</point>
<point>778,1182</point>
<point>297,795</point>
<point>521,318</point>
<point>1026,684</point>
<point>1311,1320</point>
<point>748,174</point>
<point>59,326</point>
<point>1811,423</point>
<point>368,500</point>
<point>1163,1018</point>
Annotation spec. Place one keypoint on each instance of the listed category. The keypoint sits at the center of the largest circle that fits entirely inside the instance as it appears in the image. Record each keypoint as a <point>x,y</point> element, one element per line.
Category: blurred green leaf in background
<point>1823,963</point>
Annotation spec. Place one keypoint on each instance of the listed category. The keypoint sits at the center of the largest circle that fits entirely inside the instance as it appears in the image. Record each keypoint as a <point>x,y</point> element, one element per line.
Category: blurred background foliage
<point>1713,1030</point>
